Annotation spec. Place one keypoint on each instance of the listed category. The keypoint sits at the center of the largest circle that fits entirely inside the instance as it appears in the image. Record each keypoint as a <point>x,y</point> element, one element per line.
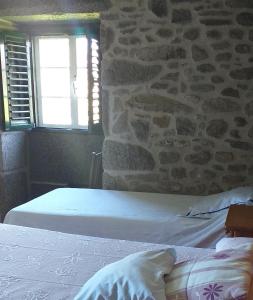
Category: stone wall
<point>61,157</point>
<point>13,171</point>
<point>178,95</point>
<point>37,7</point>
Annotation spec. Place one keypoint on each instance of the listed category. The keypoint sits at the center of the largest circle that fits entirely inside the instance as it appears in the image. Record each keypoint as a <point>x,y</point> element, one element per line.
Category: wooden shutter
<point>95,107</point>
<point>16,80</point>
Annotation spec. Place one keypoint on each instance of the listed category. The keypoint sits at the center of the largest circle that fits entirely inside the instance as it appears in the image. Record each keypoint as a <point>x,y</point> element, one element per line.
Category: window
<point>65,92</point>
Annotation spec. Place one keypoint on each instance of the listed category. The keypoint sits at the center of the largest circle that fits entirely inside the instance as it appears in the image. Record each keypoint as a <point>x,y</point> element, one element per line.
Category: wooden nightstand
<point>239,221</point>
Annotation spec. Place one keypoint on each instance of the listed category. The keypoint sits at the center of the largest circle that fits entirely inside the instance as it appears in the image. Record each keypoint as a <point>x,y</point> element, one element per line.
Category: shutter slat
<point>20,111</point>
<point>19,105</point>
<point>18,80</point>
<point>18,85</point>
<point>19,99</point>
<point>20,118</point>
<point>16,46</point>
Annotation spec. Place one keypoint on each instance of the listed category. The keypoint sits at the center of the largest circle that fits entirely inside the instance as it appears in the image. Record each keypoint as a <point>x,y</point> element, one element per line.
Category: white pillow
<point>234,243</point>
<point>139,276</point>
<point>219,201</point>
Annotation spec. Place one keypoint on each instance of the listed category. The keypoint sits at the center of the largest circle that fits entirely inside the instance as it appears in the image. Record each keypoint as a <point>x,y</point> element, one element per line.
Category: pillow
<point>222,200</point>
<point>139,276</point>
<point>223,275</point>
<point>234,243</point>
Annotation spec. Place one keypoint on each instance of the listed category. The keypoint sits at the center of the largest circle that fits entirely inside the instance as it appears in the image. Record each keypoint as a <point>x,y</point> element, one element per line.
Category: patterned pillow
<point>223,275</point>
<point>234,243</point>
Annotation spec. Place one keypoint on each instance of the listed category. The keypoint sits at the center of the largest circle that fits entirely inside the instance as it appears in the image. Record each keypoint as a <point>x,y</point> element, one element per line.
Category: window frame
<point>72,69</point>
<point>91,29</point>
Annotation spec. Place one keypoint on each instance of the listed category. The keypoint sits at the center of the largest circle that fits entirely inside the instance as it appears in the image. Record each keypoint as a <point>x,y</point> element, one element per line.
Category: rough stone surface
<point>107,39</point>
<point>240,121</point>
<point>182,16</point>
<point>199,53</point>
<point>200,158</point>
<point>230,92</point>
<point>236,33</point>
<point>226,56</point>
<point>161,53</point>
<point>214,34</point>
<point>239,4</point>
<point>162,122</point>
<point>192,34</point>
<point>206,68</point>
<point>121,125</point>
<point>178,173</point>
<point>243,48</point>
<point>217,128</point>
<point>185,126</point>
<point>246,146</point>
<point>28,7</point>
<point>249,108</point>
<point>242,74</point>
<point>141,129</point>
<point>158,7</point>
<point>122,72</point>
<point>245,19</point>
<point>180,72</point>
<point>119,156</point>
<point>168,157</point>
<point>224,157</point>
<point>221,105</point>
<point>164,33</point>
<point>158,103</point>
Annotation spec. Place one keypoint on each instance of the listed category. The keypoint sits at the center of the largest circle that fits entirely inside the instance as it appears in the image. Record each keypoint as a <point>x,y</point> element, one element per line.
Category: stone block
<point>217,128</point>
<point>181,16</point>
<point>157,103</point>
<point>185,126</point>
<point>220,105</point>
<point>13,190</point>
<point>141,129</point>
<point>123,72</point>
<point>125,156</point>
<point>199,158</point>
<point>245,19</point>
<point>158,7</point>
<point>13,154</point>
<point>62,157</point>
<point>28,7</point>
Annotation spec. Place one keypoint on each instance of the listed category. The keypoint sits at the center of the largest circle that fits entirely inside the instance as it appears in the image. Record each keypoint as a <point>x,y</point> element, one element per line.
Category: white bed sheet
<point>41,264</point>
<point>146,217</point>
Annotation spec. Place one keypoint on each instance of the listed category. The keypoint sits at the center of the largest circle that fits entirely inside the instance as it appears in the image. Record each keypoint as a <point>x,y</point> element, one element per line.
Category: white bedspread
<point>40,264</point>
<point>146,217</point>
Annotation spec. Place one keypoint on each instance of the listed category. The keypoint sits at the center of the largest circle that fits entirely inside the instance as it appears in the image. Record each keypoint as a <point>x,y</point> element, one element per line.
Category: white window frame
<point>73,72</point>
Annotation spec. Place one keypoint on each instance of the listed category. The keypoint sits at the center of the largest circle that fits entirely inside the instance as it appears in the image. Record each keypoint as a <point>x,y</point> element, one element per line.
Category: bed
<point>42,264</point>
<point>145,217</point>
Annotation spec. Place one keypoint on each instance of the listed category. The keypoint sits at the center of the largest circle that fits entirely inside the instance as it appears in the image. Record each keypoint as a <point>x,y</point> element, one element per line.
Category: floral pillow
<point>223,275</point>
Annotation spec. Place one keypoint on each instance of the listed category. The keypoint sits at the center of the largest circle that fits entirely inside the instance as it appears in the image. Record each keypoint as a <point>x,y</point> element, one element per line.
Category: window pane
<point>82,83</point>
<point>55,82</point>
<point>81,51</point>
<point>56,111</point>
<point>82,112</point>
<point>54,52</point>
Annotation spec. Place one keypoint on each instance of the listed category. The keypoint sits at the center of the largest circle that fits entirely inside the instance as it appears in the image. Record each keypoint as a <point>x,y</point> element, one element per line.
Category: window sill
<point>64,131</point>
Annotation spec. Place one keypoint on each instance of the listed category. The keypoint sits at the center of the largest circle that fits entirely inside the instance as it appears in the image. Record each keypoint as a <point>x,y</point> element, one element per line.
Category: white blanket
<point>146,217</point>
<point>41,264</point>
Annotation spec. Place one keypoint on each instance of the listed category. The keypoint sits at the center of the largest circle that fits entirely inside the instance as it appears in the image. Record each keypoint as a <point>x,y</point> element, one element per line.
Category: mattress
<point>146,217</point>
<point>42,264</point>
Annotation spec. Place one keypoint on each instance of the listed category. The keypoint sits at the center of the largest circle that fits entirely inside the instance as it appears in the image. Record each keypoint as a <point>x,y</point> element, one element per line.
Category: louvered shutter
<point>16,80</point>
<point>95,107</point>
